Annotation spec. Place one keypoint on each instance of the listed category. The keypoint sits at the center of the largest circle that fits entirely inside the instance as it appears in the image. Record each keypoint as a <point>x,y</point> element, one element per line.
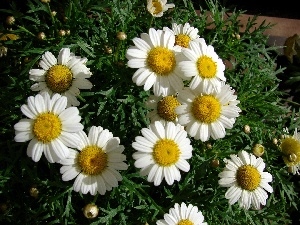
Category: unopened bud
<point>10,20</point>
<point>258,150</point>
<point>247,129</point>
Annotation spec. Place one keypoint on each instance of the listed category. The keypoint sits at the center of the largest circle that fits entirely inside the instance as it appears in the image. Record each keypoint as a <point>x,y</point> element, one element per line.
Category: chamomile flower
<point>203,65</point>
<point>155,58</point>
<point>158,7</point>
<point>183,215</point>
<point>64,75</point>
<point>162,151</point>
<point>290,148</point>
<point>248,184</point>
<point>184,34</point>
<point>97,163</point>
<point>50,127</point>
<point>207,114</point>
<point>163,108</point>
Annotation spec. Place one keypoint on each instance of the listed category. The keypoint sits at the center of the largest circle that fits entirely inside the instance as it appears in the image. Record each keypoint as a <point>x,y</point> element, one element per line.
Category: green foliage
<point>117,104</point>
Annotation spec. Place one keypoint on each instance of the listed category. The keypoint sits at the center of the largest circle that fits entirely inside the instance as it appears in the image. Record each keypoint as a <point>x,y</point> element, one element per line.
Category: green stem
<point>24,29</point>
<point>52,19</point>
<point>295,103</point>
<point>140,190</point>
<point>95,198</point>
<point>151,21</point>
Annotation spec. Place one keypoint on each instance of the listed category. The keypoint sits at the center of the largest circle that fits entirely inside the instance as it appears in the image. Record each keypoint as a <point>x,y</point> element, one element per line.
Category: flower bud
<point>258,150</point>
<point>34,192</point>
<point>275,141</point>
<point>247,129</point>
<point>90,211</point>
<point>10,20</point>
<point>41,36</point>
<point>45,1</point>
<point>108,50</point>
<point>61,33</point>
<point>215,163</point>
<point>121,36</point>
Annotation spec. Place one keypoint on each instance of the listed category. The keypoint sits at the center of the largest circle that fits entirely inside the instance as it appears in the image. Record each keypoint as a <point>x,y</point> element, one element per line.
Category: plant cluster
<point>142,112</point>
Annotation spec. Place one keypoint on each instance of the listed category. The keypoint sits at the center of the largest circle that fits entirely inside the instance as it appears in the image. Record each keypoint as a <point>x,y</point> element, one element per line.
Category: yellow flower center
<point>92,160</point>
<point>157,6</point>
<point>59,78</point>
<point>206,108</point>
<point>47,127</point>
<point>182,40</point>
<point>290,148</point>
<point>166,108</point>
<point>185,222</point>
<point>161,60</point>
<point>166,152</point>
<point>207,68</point>
<point>248,177</point>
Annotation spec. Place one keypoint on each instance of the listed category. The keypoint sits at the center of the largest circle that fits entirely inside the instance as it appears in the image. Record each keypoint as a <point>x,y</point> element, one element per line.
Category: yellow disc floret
<point>207,68</point>
<point>248,177</point>
<point>47,127</point>
<point>161,60</point>
<point>157,6</point>
<point>182,40</point>
<point>185,222</point>
<point>166,108</point>
<point>290,148</point>
<point>59,78</point>
<point>206,108</point>
<point>166,152</point>
<point>92,160</point>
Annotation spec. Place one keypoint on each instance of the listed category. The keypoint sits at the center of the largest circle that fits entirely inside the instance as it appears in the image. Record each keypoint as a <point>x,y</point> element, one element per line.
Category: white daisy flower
<point>158,7</point>
<point>154,56</point>
<point>184,34</point>
<point>290,148</point>
<point>204,65</point>
<point>183,215</point>
<point>162,151</point>
<point>51,127</point>
<point>248,184</point>
<point>64,75</point>
<point>96,164</point>
<point>207,114</point>
<point>162,108</point>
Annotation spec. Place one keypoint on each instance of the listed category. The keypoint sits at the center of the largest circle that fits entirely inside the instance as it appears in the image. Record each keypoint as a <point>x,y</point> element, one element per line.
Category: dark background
<point>283,8</point>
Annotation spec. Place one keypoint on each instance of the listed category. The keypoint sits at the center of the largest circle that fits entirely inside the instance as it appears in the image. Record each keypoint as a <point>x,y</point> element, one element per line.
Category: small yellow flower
<point>7,37</point>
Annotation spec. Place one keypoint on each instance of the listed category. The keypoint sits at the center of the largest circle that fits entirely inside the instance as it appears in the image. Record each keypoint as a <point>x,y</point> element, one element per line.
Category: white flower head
<point>50,126</point>
<point>162,108</point>
<point>97,162</point>
<point>64,75</point>
<point>162,151</point>
<point>155,58</point>
<point>290,148</point>
<point>184,34</point>
<point>247,183</point>
<point>158,7</point>
<point>183,215</point>
<point>203,65</point>
<point>207,114</point>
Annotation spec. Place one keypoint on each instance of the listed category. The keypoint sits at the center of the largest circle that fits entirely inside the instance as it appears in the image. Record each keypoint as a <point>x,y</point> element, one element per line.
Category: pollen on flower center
<point>166,108</point>
<point>92,160</point>
<point>161,61</point>
<point>182,40</point>
<point>206,108</point>
<point>166,152</point>
<point>290,148</point>
<point>185,222</point>
<point>157,7</point>
<point>248,177</point>
<point>47,127</point>
<point>207,68</point>
<point>59,78</point>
